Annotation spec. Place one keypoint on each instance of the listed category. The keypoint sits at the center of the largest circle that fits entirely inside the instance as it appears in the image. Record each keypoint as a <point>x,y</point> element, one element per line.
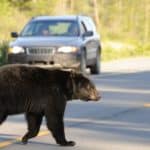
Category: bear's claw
<point>69,143</point>
<point>24,141</point>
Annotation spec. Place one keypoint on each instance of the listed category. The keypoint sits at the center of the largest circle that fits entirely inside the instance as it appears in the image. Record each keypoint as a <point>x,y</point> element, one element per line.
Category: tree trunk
<point>146,29</point>
<point>72,5</point>
<point>96,13</point>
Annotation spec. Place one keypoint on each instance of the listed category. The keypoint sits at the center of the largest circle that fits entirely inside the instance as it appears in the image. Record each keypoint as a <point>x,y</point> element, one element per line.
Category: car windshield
<point>51,28</point>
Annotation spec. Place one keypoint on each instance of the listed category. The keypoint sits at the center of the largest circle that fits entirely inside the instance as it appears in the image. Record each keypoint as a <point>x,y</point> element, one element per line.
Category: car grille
<point>41,50</point>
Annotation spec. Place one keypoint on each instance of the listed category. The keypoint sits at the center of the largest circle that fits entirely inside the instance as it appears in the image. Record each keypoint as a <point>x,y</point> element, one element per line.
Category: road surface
<point>120,121</point>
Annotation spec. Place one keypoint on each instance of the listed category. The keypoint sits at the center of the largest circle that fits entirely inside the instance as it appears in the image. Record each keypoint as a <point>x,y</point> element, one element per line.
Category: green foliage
<point>21,4</point>
<point>41,7</point>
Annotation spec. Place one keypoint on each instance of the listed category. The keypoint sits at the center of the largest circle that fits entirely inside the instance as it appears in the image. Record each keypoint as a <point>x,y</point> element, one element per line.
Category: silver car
<point>65,41</point>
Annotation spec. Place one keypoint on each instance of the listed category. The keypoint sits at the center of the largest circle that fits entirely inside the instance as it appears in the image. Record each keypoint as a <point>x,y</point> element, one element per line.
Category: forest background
<point>124,25</point>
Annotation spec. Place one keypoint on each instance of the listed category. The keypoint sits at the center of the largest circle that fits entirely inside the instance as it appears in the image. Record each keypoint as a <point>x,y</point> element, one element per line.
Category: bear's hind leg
<point>34,122</point>
<point>3,117</point>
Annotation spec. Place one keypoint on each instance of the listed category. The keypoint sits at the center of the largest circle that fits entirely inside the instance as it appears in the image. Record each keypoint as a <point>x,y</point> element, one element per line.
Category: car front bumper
<point>70,60</point>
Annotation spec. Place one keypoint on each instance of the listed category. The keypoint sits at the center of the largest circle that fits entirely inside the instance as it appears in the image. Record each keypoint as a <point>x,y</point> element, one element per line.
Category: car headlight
<point>67,49</point>
<point>16,50</point>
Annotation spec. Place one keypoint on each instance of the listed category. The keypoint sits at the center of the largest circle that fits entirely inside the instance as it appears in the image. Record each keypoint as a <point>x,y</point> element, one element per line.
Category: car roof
<point>71,17</point>
<point>63,17</point>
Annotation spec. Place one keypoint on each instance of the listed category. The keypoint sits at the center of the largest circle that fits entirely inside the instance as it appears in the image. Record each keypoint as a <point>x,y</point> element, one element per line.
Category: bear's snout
<point>98,96</point>
<point>95,96</point>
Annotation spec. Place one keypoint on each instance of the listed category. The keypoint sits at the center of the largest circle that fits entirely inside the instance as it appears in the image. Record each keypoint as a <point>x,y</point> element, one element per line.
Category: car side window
<point>82,28</point>
<point>93,27</point>
<point>89,24</point>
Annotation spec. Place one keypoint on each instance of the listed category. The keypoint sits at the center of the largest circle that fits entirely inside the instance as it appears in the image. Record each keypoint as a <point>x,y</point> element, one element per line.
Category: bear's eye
<point>88,87</point>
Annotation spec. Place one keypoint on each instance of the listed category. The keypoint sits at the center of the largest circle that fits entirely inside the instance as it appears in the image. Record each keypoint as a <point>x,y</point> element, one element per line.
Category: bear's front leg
<point>59,135</point>
<point>56,126</point>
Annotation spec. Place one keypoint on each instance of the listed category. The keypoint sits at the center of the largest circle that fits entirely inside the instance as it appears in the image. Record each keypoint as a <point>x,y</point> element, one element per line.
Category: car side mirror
<point>14,34</point>
<point>88,33</point>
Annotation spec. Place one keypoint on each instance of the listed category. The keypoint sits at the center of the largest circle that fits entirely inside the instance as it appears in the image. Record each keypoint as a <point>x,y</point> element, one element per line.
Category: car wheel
<point>83,62</point>
<point>96,68</point>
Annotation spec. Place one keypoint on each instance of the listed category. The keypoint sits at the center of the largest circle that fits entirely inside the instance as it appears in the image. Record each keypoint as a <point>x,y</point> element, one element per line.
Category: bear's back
<point>25,74</point>
<point>24,87</point>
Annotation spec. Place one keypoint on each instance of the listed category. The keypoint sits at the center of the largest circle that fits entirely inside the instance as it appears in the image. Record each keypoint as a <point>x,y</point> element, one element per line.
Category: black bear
<point>39,92</point>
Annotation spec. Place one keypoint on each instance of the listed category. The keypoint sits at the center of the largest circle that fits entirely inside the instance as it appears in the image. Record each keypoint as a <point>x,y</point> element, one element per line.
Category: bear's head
<point>83,88</point>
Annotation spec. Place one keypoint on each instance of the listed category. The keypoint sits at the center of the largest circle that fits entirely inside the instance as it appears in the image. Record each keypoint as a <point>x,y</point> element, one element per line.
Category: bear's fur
<point>39,92</point>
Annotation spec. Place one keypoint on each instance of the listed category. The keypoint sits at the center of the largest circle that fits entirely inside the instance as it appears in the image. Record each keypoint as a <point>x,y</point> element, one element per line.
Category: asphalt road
<point>120,121</point>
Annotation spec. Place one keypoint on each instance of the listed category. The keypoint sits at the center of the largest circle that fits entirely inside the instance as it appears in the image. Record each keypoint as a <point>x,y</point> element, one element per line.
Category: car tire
<point>83,62</point>
<point>96,68</point>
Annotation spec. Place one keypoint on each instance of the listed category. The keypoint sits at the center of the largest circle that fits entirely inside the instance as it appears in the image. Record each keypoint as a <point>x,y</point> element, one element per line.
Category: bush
<point>112,50</point>
<point>3,52</point>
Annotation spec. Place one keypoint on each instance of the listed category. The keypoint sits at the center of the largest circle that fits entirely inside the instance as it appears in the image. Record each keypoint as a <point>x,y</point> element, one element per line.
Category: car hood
<point>46,41</point>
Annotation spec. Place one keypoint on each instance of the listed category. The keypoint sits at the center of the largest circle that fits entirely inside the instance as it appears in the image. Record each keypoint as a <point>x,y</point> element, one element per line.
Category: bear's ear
<point>70,81</point>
